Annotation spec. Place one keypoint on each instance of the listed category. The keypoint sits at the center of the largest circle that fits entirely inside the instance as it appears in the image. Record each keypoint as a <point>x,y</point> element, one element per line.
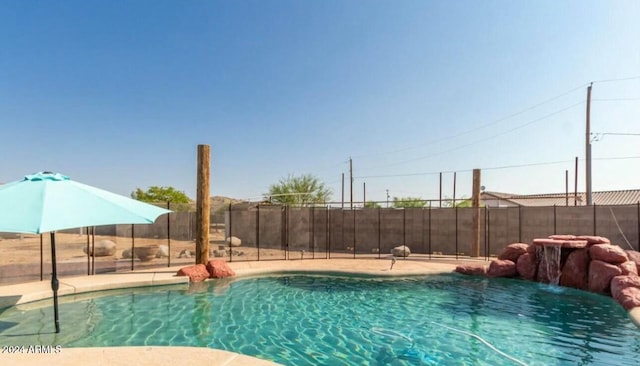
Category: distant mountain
<point>221,203</point>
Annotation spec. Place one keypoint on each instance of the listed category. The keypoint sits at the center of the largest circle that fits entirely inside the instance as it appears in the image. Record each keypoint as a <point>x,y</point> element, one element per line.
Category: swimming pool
<point>328,320</point>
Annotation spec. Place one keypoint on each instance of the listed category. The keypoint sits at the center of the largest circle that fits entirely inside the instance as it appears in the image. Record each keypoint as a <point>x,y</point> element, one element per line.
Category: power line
<point>614,80</point>
<point>486,138</point>
<point>479,127</point>
<point>494,168</point>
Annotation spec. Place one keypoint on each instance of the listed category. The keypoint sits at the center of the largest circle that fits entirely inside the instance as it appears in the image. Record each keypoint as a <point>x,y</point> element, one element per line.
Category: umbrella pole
<point>54,281</point>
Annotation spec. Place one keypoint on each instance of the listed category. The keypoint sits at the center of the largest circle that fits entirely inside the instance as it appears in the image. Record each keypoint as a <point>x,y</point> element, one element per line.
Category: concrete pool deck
<point>27,292</point>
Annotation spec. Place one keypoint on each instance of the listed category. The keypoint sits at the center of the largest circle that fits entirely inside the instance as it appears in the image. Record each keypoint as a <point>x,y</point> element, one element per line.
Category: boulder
<point>626,291</point>
<point>502,268</point>
<point>635,257</point>
<point>600,275</point>
<point>185,253</point>
<point>472,269</point>
<point>196,272</point>
<point>608,253</point>
<point>628,268</point>
<point>629,298</point>
<point>218,268</point>
<point>163,251</point>
<point>401,251</point>
<point>234,241</point>
<point>527,266</point>
<point>146,254</point>
<point>513,251</point>
<point>126,254</point>
<point>575,272</point>
<point>594,239</point>
<point>103,248</point>
<point>219,253</point>
<point>569,244</point>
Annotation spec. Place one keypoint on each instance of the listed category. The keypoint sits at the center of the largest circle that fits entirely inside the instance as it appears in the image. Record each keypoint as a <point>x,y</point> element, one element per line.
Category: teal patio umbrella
<point>46,202</point>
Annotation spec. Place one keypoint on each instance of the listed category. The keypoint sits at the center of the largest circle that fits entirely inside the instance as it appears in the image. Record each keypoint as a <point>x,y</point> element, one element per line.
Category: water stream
<point>552,259</point>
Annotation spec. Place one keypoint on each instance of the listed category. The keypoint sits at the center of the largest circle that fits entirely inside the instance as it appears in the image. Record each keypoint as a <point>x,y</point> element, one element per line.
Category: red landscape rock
<point>527,266</point>
<point>629,298</point>
<point>196,272</point>
<point>594,239</point>
<point>513,251</point>
<point>218,268</point>
<point>608,253</point>
<point>562,237</point>
<point>472,269</point>
<point>600,275</point>
<point>575,272</point>
<point>626,291</point>
<point>575,244</point>
<point>634,256</point>
<point>502,268</point>
<point>628,268</point>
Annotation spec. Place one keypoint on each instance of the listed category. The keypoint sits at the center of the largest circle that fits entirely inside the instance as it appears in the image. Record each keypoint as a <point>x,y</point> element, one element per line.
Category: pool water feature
<point>329,320</point>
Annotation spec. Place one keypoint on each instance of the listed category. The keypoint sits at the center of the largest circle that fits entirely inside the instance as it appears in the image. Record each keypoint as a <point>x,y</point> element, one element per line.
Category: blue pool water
<point>326,320</point>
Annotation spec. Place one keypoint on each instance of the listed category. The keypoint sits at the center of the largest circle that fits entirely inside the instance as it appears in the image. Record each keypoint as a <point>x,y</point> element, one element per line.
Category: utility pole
<point>387,198</point>
<point>343,191</point>
<point>351,182</point>
<point>588,148</point>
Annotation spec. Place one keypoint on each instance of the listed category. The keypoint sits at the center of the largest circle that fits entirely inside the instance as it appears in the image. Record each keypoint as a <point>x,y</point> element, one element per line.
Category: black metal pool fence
<point>258,232</point>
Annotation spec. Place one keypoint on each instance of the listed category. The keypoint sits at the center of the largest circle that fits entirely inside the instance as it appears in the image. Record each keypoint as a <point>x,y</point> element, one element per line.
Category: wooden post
<point>475,203</point>
<point>203,205</point>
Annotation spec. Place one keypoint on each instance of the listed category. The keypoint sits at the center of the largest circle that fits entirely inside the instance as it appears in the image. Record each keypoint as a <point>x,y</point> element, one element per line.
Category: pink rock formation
<point>575,272</point>
<point>527,266</point>
<point>626,291</point>
<point>513,251</point>
<point>575,244</point>
<point>600,275</point>
<point>594,239</point>
<point>628,268</point>
<point>635,257</point>
<point>196,272</point>
<point>472,269</point>
<point>562,237</point>
<point>218,268</point>
<point>608,253</point>
<point>502,268</point>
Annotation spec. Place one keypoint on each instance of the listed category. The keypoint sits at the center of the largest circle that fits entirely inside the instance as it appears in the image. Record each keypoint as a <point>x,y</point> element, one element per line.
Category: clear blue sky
<point>119,94</point>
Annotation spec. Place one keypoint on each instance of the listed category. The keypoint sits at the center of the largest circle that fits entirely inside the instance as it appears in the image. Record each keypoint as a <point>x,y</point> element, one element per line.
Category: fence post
<point>230,232</point>
<point>133,249</point>
<point>554,220</point>
<point>380,229</point>
<point>313,233</point>
<point>169,234</point>
<point>353,212</point>
<point>519,223</point>
<point>328,243</point>
<point>258,230</point>
<point>594,219</point>
<point>42,259</point>
<point>430,231</point>
<point>456,208</point>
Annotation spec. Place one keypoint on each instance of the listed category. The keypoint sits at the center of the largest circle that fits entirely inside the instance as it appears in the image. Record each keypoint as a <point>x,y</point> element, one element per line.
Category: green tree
<point>408,202</point>
<point>372,204</point>
<point>157,194</point>
<point>302,190</point>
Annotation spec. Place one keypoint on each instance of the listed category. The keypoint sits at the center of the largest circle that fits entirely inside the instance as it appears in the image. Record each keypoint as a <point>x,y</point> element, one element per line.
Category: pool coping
<point>13,295</point>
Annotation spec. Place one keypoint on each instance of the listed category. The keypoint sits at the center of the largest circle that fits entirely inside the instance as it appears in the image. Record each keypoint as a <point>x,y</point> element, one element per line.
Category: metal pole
<point>454,188</point>
<point>351,185</point>
<point>42,259</point>
<point>343,191</point>
<point>429,230</point>
<point>380,229</point>
<point>566,187</point>
<point>440,191</point>
<point>519,223</point>
<point>231,232</point>
<point>312,239</point>
<point>554,220</point>
<point>488,233</point>
<point>328,249</point>
<point>588,147</point>
<point>364,194</point>
<point>594,220</point>
<point>486,226</point>
<point>93,250</point>
<point>258,230</point>
<point>169,234</point>
<point>354,233</point>
<point>55,285</point>
<point>88,253</point>
<point>456,209</point>
<point>133,248</point>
